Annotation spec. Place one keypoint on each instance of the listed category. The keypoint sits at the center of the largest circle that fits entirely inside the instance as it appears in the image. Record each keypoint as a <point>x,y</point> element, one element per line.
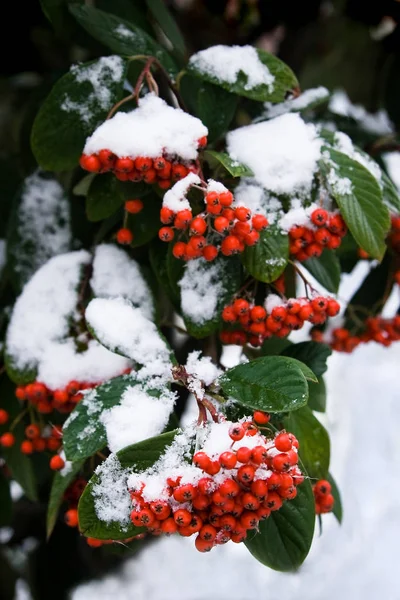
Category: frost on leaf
<point>111,497</point>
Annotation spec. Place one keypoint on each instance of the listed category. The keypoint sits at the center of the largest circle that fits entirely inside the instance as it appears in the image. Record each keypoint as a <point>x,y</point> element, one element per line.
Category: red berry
<point>246,473</point>
<point>159,163</point>
<point>182,517</point>
<point>184,493</point>
<point>161,509</point>
<point>197,242</point>
<point>242,213</point>
<point>198,226</point>
<point>249,519</point>
<point>322,487</point>
<point>179,250</point>
<point>201,460</point>
<point>236,432</point>
<point>57,463</point>
<point>39,444</point>
<point>143,164</point>
<point>124,164</point>
<point>241,306</point>
<point>107,159</point>
<point>283,442</point>
<point>73,387</point>
<point>333,308</point>
<point>228,460</point>
<point>221,224</point>
<point>259,455</point>
<point>243,454</point>
<point>322,236</point>
<point>210,252</point>
<point>93,543</point>
<point>166,234</point>
<point>279,313</point>
<point>183,219</point>
<point>4,416</point>
<point>203,545</point>
<point>179,172</point>
<point>169,526</point>
<point>249,501</point>
<point>252,238</point>
<point>230,245</point>
<point>259,222</point>
<point>259,488</point>
<point>32,431</point>
<point>297,232</point>
<point>20,393</point>
<point>305,312</point>
<point>166,215</point>
<point>27,447</point>
<point>90,162</point>
<point>124,236</point>
<point>260,417</point>
<point>60,396</point>
<point>319,217</point>
<point>258,314</point>
<point>281,462</point>
<point>202,142</point>
<point>225,199</point>
<point>71,517</point>
<point>337,225</point>
<point>133,206</point>
<point>319,304</point>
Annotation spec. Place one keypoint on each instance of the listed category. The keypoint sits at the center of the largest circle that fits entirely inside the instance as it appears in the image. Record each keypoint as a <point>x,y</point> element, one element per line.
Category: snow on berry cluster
<point>377,329</point>
<point>154,143</point>
<point>277,317</point>
<point>219,228</point>
<point>324,500</point>
<point>237,478</point>
<point>324,230</point>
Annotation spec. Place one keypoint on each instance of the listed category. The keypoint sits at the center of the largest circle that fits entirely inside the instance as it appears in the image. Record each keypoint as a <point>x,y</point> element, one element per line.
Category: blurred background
<point>352,48</point>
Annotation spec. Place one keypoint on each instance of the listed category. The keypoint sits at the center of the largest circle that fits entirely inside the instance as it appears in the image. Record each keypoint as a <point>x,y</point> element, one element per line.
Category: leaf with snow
<point>206,287</point>
<point>308,100</point>
<point>121,36</point>
<point>77,104</point>
<point>39,227</point>
<point>267,259</point>
<point>359,198</point>
<point>234,168</point>
<point>105,505</point>
<point>245,71</point>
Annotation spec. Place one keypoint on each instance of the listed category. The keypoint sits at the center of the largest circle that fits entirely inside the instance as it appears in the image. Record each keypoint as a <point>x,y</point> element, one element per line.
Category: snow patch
<point>175,198</point>
<point>112,501</point>
<point>201,287</point>
<point>302,102</point>
<point>377,123</point>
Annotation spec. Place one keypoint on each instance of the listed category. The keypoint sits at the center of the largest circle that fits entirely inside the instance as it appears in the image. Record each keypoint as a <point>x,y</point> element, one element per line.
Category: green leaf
<point>145,225</point>
<point>314,445</point>
<point>58,488</point>
<point>284,82</point>
<point>137,457</point>
<point>158,254</point>
<point>122,37</point>
<point>233,167</point>
<point>269,383</point>
<point>268,258</point>
<point>220,279</point>
<point>202,98</point>
<point>362,207</point>
<point>104,197</point>
<point>317,395</point>
<point>337,507</point>
<point>168,25</point>
<point>59,134</point>
<point>56,12</point>
<point>313,354</point>
<point>325,269</point>
<point>284,539</point>
<point>390,194</point>
<point>5,501</point>
<point>135,12</point>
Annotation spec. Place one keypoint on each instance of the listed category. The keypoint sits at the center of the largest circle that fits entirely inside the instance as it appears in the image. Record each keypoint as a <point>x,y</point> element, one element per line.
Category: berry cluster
<point>326,230</point>
<point>219,228</point>
<point>324,500</point>
<point>163,170</point>
<point>46,400</point>
<point>258,323</point>
<point>377,329</point>
<point>231,492</point>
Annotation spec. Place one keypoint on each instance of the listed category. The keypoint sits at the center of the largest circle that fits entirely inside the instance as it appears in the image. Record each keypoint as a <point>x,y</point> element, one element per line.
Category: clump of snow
<point>258,200</point>
<point>151,130</point>
<point>339,185</point>
<point>302,102</point>
<point>138,416</point>
<point>216,186</point>
<point>116,274</point>
<point>42,224</point>
<point>343,143</point>
<point>392,162</point>
<point>38,336</point>
<point>282,153</point>
<point>298,215</point>
<point>271,301</point>
<point>201,287</point>
<point>123,328</point>
<point>99,74</point>
<point>175,198</point>
<point>377,123</point>
<point>67,468</point>
<point>226,63</point>
<point>112,501</point>
<point>202,367</point>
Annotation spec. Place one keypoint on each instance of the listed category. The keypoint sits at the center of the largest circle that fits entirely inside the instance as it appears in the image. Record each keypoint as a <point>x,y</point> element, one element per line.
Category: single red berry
<point>230,245</point>
<point>20,393</point>
<point>159,163</point>
<point>166,234</point>
<point>283,442</point>
<point>221,224</point>
<point>60,396</point>
<point>337,225</point>
<point>228,460</point>
<point>333,308</point>
<point>182,517</point>
<point>27,447</point>
<point>297,232</point>
<point>251,428</point>
<point>246,473</point>
<point>305,312</point>
<point>203,545</point>
<point>122,176</point>
<point>185,493</point>
<point>124,165</point>
<point>71,517</point>
<point>335,242</point>
<point>274,501</point>
<point>279,313</point>
<point>214,209</point>
<point>133,206</point>
<point>179,172</point>
<point>319,217</point>
<point>242,213</point>
<point>73,387</point>
<point>197,242</point>
<point>229,488</point>
<point>146,517</point>
<point>166,215</point>
<point>260,417</point>
<point>243,454</point>
<point>143,164</point>
<point>90,162</point>
<point>169,526</point>
<point>241,306</point>
<point>249,501</point>
<point>4,416</point>
<point>57,463</point>
<point>259,488</point>
<point>32,431</point>
<point>161,509</point>
<point>124,236</point>
<point>53,445</point>
<point>252,238</point>
<point>229,315</point>
<point>107,159</point>
<point>210,252</point>
<point>258,314</point>
<point>323,236</point>
<point>281,462</point>
<point>198,226</point>
<point>93,543</point>
<point>322,487</point>
<point>226,199</point>
<point>179,250</point>
<point>259,222</point>
<point>249,519</point>
<point>182,219</point>
<point>319,304</point>
<point>201,460</point>
<point>202,142</point>
<point>259,455</point>
<point>236,432</point>
<point>39,444</point>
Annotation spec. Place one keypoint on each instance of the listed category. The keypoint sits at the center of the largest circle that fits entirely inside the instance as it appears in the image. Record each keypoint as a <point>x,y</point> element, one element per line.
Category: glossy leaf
<point>325,269</point>
<point>233,167</point>
<point>168,25</point>
<point>267,260</point>
<point>313,354</point>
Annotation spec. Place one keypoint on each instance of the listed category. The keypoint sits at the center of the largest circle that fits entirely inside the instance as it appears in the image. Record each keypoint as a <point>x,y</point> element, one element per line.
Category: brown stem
<point>307,284</point>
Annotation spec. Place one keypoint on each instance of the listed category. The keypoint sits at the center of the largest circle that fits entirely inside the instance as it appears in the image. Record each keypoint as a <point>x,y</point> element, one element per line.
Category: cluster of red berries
<point>393,238</point>
<point>324,500</point>
<point>377,329</point>
<point>233,493</point>
<point>219,228</point>
<point>326,231</point>
<point>163,170</point>
<point>37,438</point>
<point>257,324</point>
<point>46,400</point>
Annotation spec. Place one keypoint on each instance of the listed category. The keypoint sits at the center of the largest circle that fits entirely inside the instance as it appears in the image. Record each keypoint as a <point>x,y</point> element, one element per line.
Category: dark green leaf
<point>158,254</point>
<point>337,507</point>
<point>317,395</point>
<point>390,194</point>
<point>313,354</point>
<point>314,445</point>
<point>284,80</point>
<point>58,488</point>
<point>270,383</point>
<point>362,207</point>
<point>137,457</point>
<point>59,135</point>
<point>104,197</point>
<point>325,269</point>
<point>135,12</point>
<point>56,12</point>
<point>5,501</point>
<point>274,345</point>
<point>232,166</point>
<point>168,24</point>
<point>284,539</point>
<point>145,225</point>
<point>268,258</point>
<point>122,37</point>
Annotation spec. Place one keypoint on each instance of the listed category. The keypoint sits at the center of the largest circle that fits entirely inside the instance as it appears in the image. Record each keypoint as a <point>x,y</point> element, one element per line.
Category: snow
<point>38,336</point>
<point>202,367</point>
<point>201,287</point>
<point>116,274</point>
<point>377,123</point>
<point>344,144</point>
<point>175,198</point>
<point>111,497</point>
<point>283,153</point>
<point>226,63</point>
<point>257,200</point>
<point>392,163</point>
<point>99,74</point>
<point>297,215</point>
<point>271,301</point>
<point>120,326</point>
<point>302,102</point>
<point>216,186</point>
<point>340,185</point>
<point>151,130</point>
<point>42,225</point>
<point>137,417</point>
